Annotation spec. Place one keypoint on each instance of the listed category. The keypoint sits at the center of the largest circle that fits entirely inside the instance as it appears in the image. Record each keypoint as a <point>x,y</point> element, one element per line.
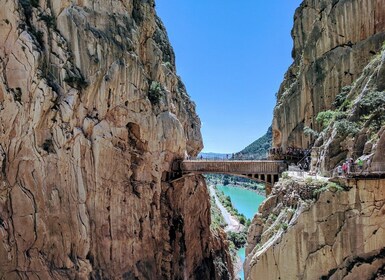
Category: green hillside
<point>259,148</point>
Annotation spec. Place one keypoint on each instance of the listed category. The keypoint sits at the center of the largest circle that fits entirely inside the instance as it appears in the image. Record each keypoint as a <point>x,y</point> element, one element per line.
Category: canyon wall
<point>357,128</point>
<point>315,227</point>
<point>92,115</point>
<point>333,42</point>
<point>314,230</point>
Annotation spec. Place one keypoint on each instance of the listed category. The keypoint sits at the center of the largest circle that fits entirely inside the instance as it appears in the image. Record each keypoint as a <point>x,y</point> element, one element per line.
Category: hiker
<point>339,170</point>
<point>344,168</point>
<point>360,164</point>
<point>350,165</point>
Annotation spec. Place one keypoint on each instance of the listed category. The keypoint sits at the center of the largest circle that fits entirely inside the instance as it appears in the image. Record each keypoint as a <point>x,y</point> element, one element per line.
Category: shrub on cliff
<point>372,102</point>
<point>326,117</point>
<point>239,239</point>
<point>155,92</point>
<point>345,127</point>
<point>341,97</point>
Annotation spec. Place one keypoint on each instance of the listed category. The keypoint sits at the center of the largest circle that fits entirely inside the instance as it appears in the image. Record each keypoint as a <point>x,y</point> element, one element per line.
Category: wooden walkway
<point>265,171</point>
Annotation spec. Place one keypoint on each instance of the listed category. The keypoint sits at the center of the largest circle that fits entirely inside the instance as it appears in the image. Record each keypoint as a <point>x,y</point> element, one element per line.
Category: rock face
<point>299,234</point>
<point>333,42</point>
<point>92,115</point>
<point>314,229</point>
<point>358,128</point>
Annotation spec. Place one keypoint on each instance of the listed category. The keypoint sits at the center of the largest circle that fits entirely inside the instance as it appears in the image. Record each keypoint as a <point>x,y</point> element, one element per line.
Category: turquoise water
<point>241,254</point>
<point>245,201</point>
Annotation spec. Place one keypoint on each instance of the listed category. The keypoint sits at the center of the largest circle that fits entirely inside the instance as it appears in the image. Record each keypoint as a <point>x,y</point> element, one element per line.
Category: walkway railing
<point>375,169</point>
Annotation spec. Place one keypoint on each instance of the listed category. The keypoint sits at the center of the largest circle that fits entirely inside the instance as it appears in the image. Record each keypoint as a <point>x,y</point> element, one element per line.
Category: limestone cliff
<point>309,229</point>
<point>357,125</point>
<point>319,228</point>
<point>92,114</point>
<point>333,41</point>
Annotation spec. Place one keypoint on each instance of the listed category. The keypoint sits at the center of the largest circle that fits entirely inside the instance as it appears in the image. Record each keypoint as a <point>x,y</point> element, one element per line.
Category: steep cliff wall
<point>315,230</point>
<point>333,42</point>
<point>357,125</point>
<point>92,115</point>
<point>320,229</point>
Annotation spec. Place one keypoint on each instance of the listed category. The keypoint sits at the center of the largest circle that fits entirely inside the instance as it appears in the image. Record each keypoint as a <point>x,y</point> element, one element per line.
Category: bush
<point>341,97</point>
<point>345,127</point>
<point>310,132</point>
<point>242,220</point>
<point>155,93</point>
<point>372,102</point>
<point>331,186</point>
<point>325,118</point>
<point>239,239</point>
<point>284,226</point>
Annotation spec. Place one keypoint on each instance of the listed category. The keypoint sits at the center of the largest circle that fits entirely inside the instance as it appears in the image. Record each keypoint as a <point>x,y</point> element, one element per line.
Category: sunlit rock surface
<point>92,114</point>
<point>300,234</point>
<point>333,42</point>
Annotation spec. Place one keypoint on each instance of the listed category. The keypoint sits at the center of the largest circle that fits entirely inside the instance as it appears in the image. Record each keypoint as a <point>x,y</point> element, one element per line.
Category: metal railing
<point>368,169</point>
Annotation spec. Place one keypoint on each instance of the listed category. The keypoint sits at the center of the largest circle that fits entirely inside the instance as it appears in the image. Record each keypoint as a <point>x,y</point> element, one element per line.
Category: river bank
<point>243,183</point>
<point>235,203</point>
<point>233,224</point>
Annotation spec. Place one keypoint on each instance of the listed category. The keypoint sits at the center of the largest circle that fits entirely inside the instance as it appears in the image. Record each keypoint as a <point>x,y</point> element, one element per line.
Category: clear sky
<point>232,56</point>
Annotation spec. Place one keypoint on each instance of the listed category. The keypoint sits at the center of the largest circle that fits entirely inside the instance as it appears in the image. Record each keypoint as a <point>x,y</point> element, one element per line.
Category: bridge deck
<point>265,171</point>
<point>233,166</point>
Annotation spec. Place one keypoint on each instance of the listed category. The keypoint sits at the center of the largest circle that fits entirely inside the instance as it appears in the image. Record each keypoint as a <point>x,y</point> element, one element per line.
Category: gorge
<point>93,118</point>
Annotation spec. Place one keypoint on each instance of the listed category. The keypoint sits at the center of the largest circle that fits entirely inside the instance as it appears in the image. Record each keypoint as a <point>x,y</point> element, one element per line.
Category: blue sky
<point>232,56</point>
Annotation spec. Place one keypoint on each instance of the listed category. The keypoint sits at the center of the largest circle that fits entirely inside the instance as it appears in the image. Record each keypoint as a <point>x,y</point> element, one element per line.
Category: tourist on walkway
<point>360,164</point>
<point>344,168</point>
<point>339,170</point>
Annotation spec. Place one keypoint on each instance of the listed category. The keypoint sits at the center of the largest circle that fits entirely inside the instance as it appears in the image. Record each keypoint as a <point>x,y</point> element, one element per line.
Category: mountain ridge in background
<point>259,148</point>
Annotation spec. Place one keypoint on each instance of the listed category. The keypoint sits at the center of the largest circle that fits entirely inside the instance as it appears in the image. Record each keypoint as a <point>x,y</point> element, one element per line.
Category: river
<point>247,203</point>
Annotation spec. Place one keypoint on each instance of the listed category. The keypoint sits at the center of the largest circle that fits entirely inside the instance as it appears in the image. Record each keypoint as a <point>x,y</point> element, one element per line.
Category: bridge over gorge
<point>264,171</point>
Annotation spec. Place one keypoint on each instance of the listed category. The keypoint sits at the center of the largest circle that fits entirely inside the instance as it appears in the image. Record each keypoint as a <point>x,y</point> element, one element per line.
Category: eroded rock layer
<point>333,42</point>
<point>304,232</point>
<point>92,115</point>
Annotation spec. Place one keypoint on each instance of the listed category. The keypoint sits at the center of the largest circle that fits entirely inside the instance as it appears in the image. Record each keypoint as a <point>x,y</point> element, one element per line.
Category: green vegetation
<point>217,220</point>
<point>325,118</point>
<point>330,186</point>
<point>345,127</point>
<point>259,148</point>
<point>285,175</point>
<point>310,132</point>
<point>342,96</point>
<point>235,181</point>
<point>238,238</point>
<point>155,92</point>
<point>372,103</point>
<point>226,202</point>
